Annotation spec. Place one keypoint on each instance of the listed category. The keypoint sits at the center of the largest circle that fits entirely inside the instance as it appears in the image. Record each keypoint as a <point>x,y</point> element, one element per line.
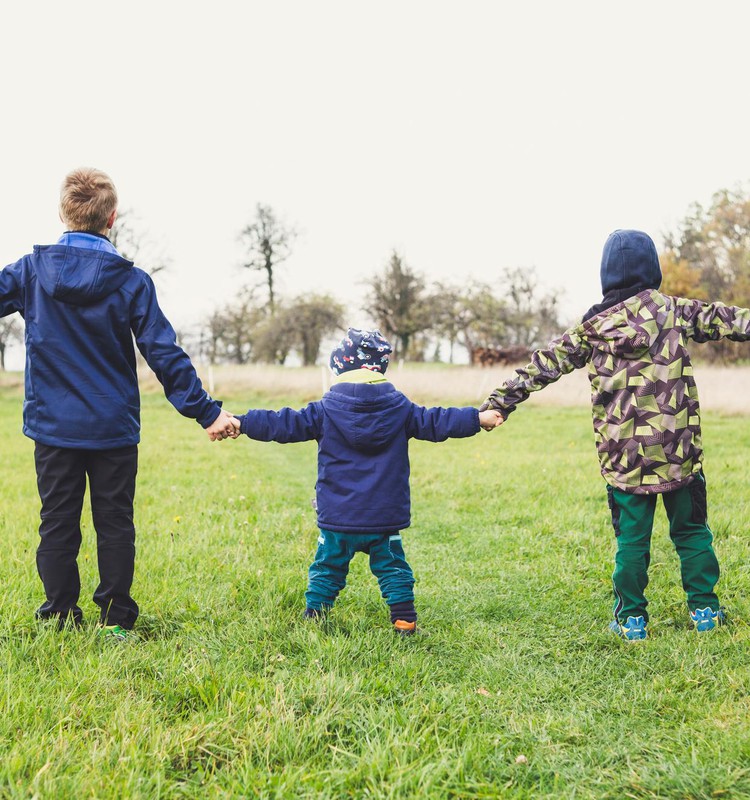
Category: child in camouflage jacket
<point>646,419</point>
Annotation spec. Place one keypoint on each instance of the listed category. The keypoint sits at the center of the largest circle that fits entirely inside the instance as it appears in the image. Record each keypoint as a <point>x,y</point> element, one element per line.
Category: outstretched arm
<point>284,426</point>
<point>438,424</point>
<point>564,354</point>
<point>705,322</point>
<point>157,342</point>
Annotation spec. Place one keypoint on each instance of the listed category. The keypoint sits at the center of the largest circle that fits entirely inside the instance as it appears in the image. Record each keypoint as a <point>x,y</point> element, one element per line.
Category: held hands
<point>225,426</point>
<point>490,419</point>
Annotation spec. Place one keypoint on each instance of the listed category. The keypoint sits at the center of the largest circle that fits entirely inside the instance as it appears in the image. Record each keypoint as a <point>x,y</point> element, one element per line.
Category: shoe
<point>404,628</point>
<point>116,633</point>
<point>314,613</point>
<point>706,619</point>
<point>633,628</point>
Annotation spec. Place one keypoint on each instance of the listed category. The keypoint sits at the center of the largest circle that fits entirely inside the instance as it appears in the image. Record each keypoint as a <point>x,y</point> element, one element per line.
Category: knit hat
<point>629,261</point>
<point>358,349</point>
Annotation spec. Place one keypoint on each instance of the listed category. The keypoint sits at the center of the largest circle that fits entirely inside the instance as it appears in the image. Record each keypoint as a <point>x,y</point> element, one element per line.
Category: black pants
<point>61,477</point>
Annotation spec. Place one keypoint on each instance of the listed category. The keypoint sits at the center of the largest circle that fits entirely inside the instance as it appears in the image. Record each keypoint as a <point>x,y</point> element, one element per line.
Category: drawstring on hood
<point>630,264</point>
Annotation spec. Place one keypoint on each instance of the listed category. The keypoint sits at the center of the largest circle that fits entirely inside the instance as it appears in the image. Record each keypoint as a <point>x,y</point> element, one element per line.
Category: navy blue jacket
<point>363,432</point>
<point>83,305</point>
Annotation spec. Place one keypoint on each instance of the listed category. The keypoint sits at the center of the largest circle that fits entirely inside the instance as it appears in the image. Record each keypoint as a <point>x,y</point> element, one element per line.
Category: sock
<point>404,611</point>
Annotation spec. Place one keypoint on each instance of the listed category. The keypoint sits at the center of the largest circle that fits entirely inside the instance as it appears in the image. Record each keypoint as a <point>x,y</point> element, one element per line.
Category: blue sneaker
<point>633,628</point>
<point>706,619</point>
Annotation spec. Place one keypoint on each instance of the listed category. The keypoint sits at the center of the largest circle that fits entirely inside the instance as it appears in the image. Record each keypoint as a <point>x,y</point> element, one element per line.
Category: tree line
<point>424,321</point>
<point>707,257</point>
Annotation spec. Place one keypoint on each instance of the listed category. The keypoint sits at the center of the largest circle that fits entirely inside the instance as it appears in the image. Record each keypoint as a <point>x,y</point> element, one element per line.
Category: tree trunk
<point>271,299</point>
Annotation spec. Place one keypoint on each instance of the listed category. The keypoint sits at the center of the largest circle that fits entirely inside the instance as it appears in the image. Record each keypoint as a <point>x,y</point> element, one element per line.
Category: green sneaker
<point>116,633</point>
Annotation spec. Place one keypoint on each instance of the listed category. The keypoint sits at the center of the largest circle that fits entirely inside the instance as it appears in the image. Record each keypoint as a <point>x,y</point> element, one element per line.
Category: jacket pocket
<point>614,510</point>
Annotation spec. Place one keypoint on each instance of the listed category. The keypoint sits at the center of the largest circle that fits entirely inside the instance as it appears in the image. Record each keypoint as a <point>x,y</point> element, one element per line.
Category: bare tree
<point>398,302</point>
<point>133,243</point>
<point>11,330</point>
<point>448,309</point>
<point>314,317</point>
<point>482,319</point>
<point>269,243</point>
<point>531,317</point>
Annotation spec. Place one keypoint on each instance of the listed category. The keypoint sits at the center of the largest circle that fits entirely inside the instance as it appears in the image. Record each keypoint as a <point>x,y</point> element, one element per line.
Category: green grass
<point>230,693</point>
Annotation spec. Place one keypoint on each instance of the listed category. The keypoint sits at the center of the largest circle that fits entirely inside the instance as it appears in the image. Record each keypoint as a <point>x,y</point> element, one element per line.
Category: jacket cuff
<point>243,423</point>
<point>490,404</point>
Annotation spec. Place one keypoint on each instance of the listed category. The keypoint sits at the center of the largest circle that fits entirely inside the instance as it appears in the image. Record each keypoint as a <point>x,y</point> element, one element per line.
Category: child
<point>363,426</point>
<point>83,304</point>
<point>646,420</point>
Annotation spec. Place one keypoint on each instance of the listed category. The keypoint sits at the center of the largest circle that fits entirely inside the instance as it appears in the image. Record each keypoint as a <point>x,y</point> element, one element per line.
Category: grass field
<point>513,689</point>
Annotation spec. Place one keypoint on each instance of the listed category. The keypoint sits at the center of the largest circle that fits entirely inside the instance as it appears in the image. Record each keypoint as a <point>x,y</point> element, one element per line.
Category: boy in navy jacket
<point>363,426</point>
<point>83,304</point>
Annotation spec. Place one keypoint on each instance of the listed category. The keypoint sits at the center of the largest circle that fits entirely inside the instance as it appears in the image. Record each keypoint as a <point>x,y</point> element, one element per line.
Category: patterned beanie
<point>368,349</point>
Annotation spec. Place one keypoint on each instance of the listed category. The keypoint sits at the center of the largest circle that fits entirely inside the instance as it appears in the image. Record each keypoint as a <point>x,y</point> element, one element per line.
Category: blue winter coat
<point>83,304</point>
<point>363,432</point>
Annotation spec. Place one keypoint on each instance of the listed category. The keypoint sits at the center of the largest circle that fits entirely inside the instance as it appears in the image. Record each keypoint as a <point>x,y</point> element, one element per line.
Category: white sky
<point>468,135</point>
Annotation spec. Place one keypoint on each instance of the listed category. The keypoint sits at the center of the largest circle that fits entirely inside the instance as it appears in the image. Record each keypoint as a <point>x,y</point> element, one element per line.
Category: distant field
<point>720,388</point>
<point>514,688</point>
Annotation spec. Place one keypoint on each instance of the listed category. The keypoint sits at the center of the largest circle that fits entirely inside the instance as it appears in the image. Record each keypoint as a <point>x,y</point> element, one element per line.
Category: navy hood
<point>77,275</point>
<point>630,261</point>
<point>367,416</point>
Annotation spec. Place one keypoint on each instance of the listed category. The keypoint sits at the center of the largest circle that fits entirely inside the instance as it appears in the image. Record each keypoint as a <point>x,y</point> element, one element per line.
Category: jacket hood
<point>79,276</point>
<point>368,416</point>
<point>620,331</point>
<point>630,262</point>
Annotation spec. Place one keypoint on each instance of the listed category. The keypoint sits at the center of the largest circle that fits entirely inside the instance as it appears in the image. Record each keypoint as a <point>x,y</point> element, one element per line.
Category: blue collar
<point>88,241</point>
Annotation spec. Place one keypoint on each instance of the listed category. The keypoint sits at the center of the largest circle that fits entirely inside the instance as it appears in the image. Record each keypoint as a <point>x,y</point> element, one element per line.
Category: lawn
<point>513,688</point>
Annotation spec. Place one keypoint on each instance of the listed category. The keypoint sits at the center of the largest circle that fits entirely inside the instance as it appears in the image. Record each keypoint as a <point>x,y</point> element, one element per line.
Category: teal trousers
<point>633,519</point>
<point>327,575</point>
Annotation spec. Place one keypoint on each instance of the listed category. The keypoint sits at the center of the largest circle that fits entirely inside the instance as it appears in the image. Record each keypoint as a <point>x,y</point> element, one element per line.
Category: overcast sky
<point>470,136</point>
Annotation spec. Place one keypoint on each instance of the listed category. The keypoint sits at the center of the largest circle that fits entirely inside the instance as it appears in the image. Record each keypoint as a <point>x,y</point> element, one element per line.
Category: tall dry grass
<point>725,389</point>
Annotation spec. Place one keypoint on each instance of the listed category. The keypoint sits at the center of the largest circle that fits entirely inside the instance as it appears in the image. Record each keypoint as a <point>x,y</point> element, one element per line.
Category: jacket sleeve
<point>561,356</point>
<point>705,322</point>
<point>438,424</point>
<point>12,291</point>
<point>284,426</point>
<point>157,342</point>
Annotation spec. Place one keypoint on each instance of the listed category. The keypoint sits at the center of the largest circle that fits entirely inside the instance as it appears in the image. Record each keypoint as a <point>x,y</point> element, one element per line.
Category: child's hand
<point>490,419</point>
<point>225,426</point>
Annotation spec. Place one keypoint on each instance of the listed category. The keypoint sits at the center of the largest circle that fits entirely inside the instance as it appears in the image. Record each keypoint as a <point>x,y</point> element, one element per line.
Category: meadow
<point>513,687</point>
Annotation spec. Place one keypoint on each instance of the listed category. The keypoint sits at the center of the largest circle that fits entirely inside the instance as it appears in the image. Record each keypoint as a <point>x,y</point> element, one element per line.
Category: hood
<point>621,331</point>
<point>630,261</point>
<point>368,416</point>
<point>79,276</point>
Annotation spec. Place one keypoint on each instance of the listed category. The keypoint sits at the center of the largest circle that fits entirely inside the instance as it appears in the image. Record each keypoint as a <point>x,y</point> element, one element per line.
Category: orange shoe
<point>405,628</point>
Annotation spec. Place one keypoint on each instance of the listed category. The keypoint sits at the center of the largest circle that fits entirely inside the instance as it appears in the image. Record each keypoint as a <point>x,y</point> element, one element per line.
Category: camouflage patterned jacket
<point>645,402</point>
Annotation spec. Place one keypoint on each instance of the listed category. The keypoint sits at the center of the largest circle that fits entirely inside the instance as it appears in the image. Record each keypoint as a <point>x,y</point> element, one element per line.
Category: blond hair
<point>87,199</point>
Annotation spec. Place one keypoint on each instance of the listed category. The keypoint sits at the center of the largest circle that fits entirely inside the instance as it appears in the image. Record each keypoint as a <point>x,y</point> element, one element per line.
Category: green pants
<point>633,519</point>
<point>327,576</point>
